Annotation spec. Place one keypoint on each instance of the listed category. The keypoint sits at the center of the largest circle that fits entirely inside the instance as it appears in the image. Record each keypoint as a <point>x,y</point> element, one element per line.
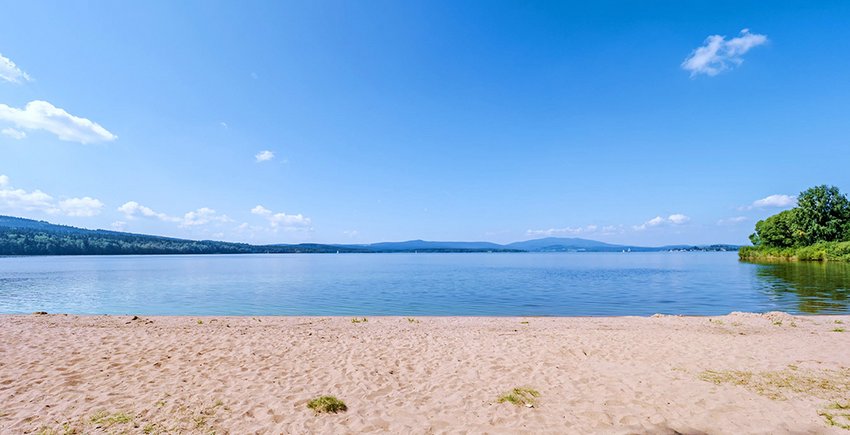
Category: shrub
<point>327,404</point>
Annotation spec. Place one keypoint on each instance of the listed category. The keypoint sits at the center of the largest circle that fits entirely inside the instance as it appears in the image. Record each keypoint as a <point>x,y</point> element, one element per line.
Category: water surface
<point>526,284</point>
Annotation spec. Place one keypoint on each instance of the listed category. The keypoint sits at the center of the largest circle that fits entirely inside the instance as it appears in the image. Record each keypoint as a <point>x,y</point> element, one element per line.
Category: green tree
<point>822,214</point>
<point>779,230</point>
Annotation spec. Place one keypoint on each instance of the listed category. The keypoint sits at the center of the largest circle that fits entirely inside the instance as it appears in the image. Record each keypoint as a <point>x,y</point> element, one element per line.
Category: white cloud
<point>260,210</point>
<point>732,220</point>
<point>224,125</point>
<point>282,220</point>
<point>11,72</point>
<point>775,201</point>
<point>119,225</point>
<point>133,209</point>
<point>567,231</point>
<point>81,207</point>
<point>14,134</point>
<point>264,156</point>
<point>41,115</point>
<point>16,200</point>
<point>203,216</point>
<point>20,199</point>
<point>719,54</point>
<point>673,219</point>
<point>678,219</point>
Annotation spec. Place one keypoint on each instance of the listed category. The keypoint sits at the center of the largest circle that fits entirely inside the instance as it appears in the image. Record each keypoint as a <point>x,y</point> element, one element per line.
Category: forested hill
<point>20,236</point>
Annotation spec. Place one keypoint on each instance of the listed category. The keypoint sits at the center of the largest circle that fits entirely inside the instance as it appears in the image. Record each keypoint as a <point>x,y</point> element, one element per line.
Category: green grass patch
<point>520,396</point>
<point>412,320</point>
<point>104,418</point>
<point>776,385</point>
<point>837,414</point>
<point>327,405</point>
<point>838,330</point>
<point>359,320</point>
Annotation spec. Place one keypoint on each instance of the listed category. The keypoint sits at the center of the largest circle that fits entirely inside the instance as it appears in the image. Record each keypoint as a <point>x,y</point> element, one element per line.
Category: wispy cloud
<point>775,201</point>
<point>732,220</point>
<point>202,216</point>
<point>14,134</point>
<point>264,156</point>
<point>288,222</point>
<point>133,210</point>
<point>17,200</point>
<point>41,115</point>
<point>719,54</point>
<point>11,72</point>
<point>81,207</point>
<point>566,231</point>
<point>673,219</point>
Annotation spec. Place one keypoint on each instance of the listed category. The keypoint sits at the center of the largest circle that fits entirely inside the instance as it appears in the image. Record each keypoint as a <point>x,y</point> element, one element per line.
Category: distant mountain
<point>560,244</point>
<point>19,236</point>
<point>422,245</point>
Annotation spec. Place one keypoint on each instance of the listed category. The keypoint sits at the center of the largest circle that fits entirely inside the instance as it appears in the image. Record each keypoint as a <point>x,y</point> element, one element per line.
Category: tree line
<point>818,228</point>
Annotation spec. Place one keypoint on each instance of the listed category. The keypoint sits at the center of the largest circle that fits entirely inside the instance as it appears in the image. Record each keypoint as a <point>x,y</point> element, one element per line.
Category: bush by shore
<point>821,251</point>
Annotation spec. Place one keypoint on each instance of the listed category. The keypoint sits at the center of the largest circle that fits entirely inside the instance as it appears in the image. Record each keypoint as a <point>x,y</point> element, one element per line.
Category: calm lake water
<point>549,284</point>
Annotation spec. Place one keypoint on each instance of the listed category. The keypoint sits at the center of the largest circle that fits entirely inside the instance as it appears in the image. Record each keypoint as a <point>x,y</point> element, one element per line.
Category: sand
<point>741,373</point>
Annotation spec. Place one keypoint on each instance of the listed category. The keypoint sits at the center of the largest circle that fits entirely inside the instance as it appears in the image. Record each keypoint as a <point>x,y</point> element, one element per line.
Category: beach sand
<point>741,373</point>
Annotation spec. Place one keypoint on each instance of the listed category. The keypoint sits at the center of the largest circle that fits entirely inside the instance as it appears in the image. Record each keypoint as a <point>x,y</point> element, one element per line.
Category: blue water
<point>550,284</point>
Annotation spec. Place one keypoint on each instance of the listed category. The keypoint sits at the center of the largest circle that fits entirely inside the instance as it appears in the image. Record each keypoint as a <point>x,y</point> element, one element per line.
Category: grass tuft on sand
<point>327,404</point>
<point>105,419</point>
<point>359,320</point>
<point>520,396</point>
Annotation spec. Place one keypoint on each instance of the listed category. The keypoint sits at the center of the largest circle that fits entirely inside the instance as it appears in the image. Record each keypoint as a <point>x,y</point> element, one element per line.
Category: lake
<point>495,284</point>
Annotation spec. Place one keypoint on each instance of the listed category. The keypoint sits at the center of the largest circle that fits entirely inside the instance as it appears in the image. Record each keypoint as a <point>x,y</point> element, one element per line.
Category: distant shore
<point>741,373</point>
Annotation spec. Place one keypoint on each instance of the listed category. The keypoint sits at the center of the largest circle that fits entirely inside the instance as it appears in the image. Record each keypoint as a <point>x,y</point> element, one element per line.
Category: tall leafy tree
<point>779,230</point>
<point>822,214</point>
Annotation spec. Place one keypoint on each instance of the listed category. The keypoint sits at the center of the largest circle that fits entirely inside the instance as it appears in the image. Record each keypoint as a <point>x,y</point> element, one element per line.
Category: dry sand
<point>742,373</point>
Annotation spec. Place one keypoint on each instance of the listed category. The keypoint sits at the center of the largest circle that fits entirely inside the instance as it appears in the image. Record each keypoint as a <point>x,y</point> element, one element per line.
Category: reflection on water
<point>545,284</point>
<point>817,288</point>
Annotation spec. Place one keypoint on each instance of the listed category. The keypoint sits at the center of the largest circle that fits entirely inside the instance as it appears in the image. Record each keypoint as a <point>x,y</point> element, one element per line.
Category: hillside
<point>19,236</point>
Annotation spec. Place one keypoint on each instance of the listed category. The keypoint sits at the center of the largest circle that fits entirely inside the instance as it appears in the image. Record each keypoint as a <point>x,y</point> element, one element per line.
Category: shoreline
<point>423,374</point>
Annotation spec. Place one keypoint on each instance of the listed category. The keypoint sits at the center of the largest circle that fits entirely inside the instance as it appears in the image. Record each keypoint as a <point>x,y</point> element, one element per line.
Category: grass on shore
<point>821,251</point>
<point>359,320</point>
<point>105,419</point>
<point>327,404</point>
<point>520,396</point>
<point>825,384</point>
<point>837,414</point>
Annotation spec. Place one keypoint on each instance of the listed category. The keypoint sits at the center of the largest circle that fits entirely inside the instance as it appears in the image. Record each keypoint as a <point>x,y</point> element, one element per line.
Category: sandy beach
<point>741,373</point>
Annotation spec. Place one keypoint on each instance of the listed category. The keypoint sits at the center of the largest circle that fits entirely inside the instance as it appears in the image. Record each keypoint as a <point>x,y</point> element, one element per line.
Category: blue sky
<point>626,122</point>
